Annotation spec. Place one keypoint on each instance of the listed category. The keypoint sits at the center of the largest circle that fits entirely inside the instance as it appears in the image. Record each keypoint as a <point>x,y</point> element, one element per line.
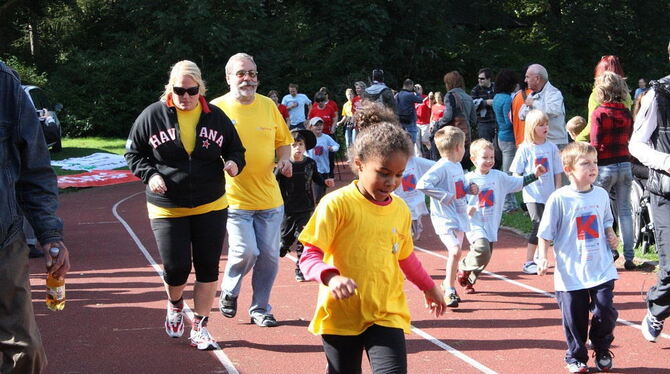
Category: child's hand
<point>542,265</point>
<point>540,170</point>
<point>471,210</point>
<point>612,239</point>
<point>330,182</point>
<point>230,167</point>
<point>435,301</point>
<point>473,188</point>
<point>330,148</point>
<point>341,287</point>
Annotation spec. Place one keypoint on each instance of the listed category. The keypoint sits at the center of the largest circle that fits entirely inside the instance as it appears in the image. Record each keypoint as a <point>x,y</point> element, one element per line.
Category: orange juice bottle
<point>55,299</point>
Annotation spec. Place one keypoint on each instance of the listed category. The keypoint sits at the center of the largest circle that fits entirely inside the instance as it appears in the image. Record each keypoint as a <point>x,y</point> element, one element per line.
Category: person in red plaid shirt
<point>611,128</point>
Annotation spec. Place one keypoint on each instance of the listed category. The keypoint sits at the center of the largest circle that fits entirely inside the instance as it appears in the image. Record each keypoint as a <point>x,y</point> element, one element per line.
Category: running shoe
<point>264,320</point>
<point>299,277</point>
<point>529,267</point>
<point>651,327</point>
<point>452,299</point>
<point>462,278</point>
<point>228,305</point>
<point>577,367</point>
<point>604,360</point>
<point>174,321</point>
<point>201,339</point>
<point>469,288</point>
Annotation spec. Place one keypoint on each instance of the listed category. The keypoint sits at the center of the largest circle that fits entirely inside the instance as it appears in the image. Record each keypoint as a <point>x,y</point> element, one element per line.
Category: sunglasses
<point>180,91</point>
<point>250,73</point>
<point>482,78</point>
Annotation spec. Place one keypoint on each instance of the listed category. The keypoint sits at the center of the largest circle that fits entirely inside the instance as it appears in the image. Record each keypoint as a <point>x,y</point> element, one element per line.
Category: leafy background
<point>106,60</point>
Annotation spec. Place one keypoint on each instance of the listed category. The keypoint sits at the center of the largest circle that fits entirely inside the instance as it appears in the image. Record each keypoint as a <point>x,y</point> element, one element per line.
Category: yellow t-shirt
<point>364,241</point>
<point>187,120</point>
<point>346,109</point>
<point>262,130</point>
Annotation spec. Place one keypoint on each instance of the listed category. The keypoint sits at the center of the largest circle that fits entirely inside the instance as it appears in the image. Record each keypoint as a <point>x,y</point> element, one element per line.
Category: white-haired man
<point>547,98</point>
<point>256,207</point>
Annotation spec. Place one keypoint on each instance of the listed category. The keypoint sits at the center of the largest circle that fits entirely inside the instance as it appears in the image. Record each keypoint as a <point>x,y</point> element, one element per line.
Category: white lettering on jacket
<point>163,136</point>
<point>212,135</point>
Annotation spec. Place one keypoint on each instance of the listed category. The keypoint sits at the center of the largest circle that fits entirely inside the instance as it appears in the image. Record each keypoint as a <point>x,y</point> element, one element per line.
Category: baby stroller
<point>643,223</point>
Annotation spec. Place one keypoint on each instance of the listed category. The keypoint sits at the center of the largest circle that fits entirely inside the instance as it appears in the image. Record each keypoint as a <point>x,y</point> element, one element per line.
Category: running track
<point>113,320</point>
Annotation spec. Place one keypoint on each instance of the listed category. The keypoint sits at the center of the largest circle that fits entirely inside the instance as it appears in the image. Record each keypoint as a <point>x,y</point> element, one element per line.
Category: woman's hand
<point>435,301</point>
<point>157,184</point>
<point>341,287</point>
<point>230,167</point>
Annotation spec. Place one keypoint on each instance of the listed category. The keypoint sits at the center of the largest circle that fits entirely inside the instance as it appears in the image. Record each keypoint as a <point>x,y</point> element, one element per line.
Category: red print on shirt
<point>486,198</point>
<point>460,190</point>
<point>409,182</point>
<point>587,227</point>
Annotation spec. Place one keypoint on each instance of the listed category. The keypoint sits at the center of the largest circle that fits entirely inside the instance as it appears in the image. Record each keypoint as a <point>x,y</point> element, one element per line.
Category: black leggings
<point>203,233</point>
<point>535,211</point>
<point>385,347</point>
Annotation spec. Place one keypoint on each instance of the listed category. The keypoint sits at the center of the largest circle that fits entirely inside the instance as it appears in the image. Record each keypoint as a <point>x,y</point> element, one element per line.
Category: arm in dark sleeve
<point>139,154</point>
<point>233,149</point>
<point>318,178</point>
<point>448,114</point>
<point>36,187</point>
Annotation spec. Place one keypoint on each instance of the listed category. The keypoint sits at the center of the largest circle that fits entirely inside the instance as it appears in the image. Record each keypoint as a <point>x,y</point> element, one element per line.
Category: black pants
<point>658,297</point>
<point>385,347</point>
<point>535,211</point>
<point>291,226</point>
<point>575,307</point>
<point>194,239</point>
<point>318,190</point>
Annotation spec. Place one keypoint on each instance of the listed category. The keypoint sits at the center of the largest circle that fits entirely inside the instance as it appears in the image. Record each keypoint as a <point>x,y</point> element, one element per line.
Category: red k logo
<point>486,198</point>
<point>587,227</point>
<point>409,182</point>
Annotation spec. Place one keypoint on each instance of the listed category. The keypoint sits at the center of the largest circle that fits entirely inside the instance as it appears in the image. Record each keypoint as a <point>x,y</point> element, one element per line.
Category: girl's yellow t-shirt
<point>364,241</point>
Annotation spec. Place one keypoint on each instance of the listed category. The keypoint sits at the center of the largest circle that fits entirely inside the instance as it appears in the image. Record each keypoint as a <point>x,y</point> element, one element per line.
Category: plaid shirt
<point>611,128</point>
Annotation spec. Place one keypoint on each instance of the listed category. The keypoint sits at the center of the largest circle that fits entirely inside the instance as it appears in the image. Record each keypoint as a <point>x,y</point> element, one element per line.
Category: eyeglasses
<point>250,73</point>
<point>481,78</point>
<point>180,91</point>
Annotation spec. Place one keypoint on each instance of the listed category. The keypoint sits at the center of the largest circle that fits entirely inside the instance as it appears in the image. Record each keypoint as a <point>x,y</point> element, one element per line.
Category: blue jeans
<point>620,178</point>
<point>253,238</point>
<point>349,136</point>
<point>412,129</point>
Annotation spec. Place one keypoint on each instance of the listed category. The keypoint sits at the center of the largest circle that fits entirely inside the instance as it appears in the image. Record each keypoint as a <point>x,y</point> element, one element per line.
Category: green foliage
<point>106,60</point>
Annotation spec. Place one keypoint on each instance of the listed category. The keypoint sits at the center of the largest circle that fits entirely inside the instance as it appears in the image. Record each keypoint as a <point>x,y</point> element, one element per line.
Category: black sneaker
<point>298,276</point>
<point>629,265</point>
<point>283,251</point>
<point>451,299</point>
<point>604,360</point>
<point>228,305</point>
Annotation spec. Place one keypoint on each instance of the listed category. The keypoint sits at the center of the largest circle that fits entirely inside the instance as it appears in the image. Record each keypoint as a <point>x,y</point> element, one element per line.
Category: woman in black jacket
<point>180,147</point>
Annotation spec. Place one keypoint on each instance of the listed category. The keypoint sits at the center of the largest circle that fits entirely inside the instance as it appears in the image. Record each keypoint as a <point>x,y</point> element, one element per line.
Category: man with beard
<point>256,207</point>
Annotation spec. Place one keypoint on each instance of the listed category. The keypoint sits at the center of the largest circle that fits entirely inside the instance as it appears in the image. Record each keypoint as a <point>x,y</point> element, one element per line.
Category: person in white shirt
<point>578,219</point>
<point>548,99</point>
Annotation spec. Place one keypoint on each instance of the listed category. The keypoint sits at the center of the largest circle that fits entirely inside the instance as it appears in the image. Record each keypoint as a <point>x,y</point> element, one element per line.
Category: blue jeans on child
<point>253,237</point>
<point>619,177</point>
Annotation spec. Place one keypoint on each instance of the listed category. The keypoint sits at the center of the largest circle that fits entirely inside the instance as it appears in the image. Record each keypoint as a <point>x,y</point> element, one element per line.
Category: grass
<point>80,147</point>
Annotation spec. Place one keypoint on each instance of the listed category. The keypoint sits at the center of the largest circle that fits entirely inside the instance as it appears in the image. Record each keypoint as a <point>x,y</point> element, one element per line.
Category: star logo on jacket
<point>460,189</point>
<point>486,198</point>
<point>409,183</point>
<point>205,144</point>
<point>542,161</point>
<point>587,227</point>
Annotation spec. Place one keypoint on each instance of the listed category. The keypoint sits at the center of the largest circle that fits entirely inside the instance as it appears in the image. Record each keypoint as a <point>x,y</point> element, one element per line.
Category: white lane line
<point>531,288</point>
<point>220,355</point>
<point>477,365</point>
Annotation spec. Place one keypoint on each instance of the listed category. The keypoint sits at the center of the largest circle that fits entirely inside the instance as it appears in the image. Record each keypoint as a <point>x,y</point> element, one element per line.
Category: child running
<point>446,185</point>
<point>324,145</point>
<point>485,210</point>
<point>358,246</point>
<point>297,193</point>
<point>416,167</point>
<point>536,150</point>
<point>579,220</point>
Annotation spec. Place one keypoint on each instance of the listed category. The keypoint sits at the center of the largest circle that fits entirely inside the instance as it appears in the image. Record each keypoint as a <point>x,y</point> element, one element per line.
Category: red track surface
<point>113,320</point>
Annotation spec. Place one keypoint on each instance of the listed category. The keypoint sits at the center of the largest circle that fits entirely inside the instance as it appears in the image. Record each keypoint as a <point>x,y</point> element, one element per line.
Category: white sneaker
<point>577,367</point>
<point>201,339</point>
<point>529,268</point>
<point>174,321</point>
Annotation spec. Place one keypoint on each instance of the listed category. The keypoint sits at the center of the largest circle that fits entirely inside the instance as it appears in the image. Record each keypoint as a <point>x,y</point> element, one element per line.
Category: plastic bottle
<point>55,298</point>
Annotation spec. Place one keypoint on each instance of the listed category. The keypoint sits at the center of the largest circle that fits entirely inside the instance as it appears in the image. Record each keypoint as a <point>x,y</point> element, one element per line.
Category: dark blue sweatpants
<point>575,307</point>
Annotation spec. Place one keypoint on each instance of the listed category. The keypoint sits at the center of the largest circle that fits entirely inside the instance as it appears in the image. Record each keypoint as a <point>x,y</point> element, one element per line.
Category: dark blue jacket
<point>27,181</point>
<point>405,104</point>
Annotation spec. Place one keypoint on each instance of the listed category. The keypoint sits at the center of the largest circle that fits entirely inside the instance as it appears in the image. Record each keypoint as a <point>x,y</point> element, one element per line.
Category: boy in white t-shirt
<point>324,145</point>
<point>416,201</point>
<point>579,220</point>
<point>485,209</point>
<point>447,187</point>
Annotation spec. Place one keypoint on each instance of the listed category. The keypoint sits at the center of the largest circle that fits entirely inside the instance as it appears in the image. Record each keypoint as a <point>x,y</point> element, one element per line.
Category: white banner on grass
<point>96,161</point>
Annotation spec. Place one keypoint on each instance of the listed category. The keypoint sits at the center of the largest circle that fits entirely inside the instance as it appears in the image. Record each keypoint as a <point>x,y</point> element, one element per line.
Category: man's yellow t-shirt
<point>364,241</point>
<point>262,130</point>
